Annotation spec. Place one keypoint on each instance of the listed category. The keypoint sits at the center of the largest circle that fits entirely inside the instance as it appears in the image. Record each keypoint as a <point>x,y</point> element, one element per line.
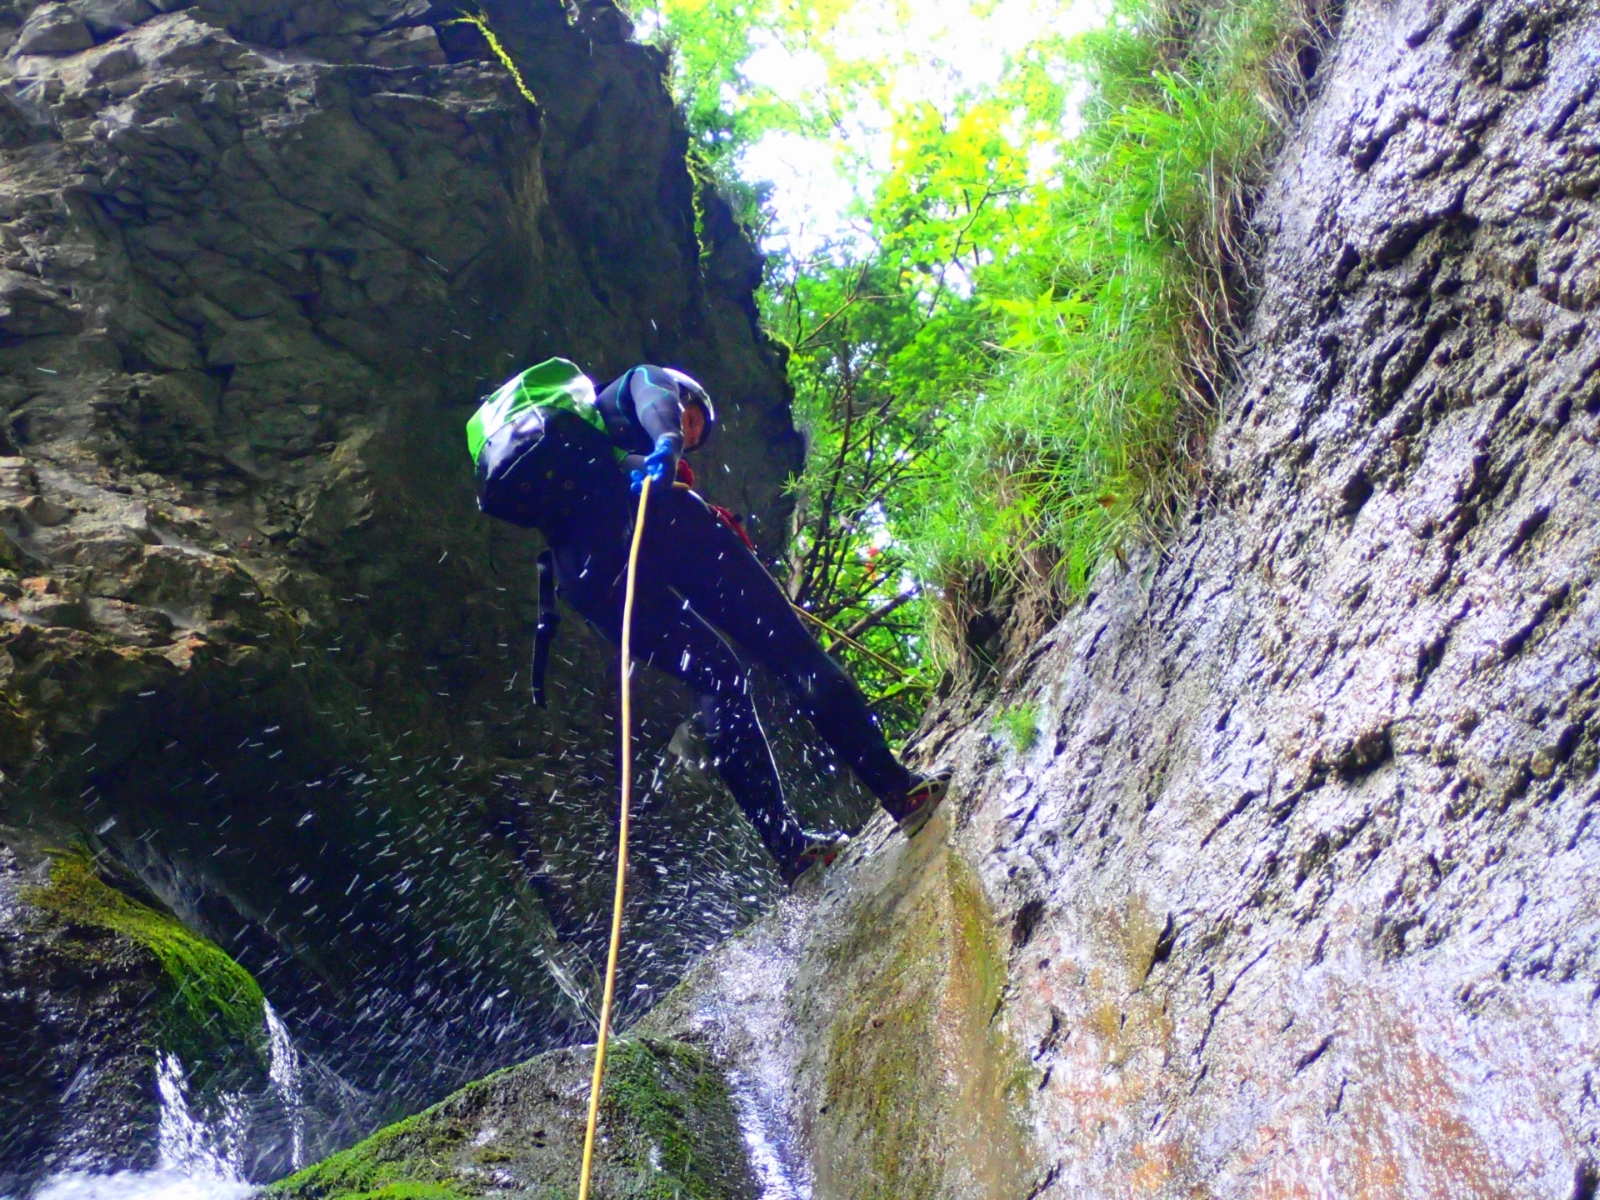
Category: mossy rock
<point>81,1014</point>
<point>668,1131</point>
<point>214,1005</point>
<point>913,1088</point>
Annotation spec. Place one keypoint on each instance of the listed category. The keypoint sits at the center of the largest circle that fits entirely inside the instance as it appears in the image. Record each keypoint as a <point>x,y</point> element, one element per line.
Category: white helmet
<point>690,392</point>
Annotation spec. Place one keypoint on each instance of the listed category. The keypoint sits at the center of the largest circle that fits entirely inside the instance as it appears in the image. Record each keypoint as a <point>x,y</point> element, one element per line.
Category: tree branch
<point>878,615</point>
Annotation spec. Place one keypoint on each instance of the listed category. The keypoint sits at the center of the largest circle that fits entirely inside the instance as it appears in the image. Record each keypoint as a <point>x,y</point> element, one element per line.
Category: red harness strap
<point>727,515</point>
<point>731,520</point>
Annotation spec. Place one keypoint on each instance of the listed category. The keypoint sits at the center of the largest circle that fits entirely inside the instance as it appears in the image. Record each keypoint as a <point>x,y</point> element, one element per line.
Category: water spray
<point>622,846</point>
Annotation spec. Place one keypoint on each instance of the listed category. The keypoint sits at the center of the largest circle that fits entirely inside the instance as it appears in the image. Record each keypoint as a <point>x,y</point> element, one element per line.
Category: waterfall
<point>201,1157</point>
<point>197,1160</point>
<point>284,1074</point>
<point>780,1172</point>
<point>198,1149</point>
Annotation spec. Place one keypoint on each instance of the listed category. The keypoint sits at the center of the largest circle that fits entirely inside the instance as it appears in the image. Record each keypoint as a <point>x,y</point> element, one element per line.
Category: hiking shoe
<point>921,800</point>
<point>821,849</point>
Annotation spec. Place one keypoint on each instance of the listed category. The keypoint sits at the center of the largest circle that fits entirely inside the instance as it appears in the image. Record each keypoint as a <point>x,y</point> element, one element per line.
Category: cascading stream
<point>198,1159</point>
<point>285,1076</point>
<point>203,1155</point>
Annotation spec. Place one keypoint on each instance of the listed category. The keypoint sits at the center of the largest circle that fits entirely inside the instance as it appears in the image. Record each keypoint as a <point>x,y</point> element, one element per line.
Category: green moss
<point>645,1088</point>
<point>481,21</point>
<point>668,1132</point>
<point>409,1190</point>
<point>1019,725</point>
<point>878,1069</point>
<point>394,1163</point>
<point>213,999</point>
<point>920,1081</point>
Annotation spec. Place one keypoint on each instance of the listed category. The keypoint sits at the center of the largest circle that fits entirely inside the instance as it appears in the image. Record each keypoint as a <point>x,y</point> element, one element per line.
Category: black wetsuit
<point>696,576</point>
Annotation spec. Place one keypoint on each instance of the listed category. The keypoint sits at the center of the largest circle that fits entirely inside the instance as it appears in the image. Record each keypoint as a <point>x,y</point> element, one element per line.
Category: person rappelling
<point>553,455</point>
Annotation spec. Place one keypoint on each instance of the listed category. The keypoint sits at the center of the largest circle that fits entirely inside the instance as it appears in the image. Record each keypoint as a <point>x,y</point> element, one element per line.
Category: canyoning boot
<point>921,800</point>
<point>821,849</point>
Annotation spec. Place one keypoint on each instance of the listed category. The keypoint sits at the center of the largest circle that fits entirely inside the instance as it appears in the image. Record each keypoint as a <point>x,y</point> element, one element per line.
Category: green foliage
<point>888,339</point>
<point>710,40</point>
<point>870,366</point>
<point>1019,725</point>
<point>1117,317</point>
<point>213,1000</point>
<point>1008,365</point>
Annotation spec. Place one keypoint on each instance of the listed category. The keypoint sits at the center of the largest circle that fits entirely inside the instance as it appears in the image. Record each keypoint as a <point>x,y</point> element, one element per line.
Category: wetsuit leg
<point>669,635</point>
<point>689,547</point>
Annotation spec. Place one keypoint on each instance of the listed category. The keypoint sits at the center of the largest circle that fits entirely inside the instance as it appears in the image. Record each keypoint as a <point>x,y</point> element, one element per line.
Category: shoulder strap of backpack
<point>549,621</point>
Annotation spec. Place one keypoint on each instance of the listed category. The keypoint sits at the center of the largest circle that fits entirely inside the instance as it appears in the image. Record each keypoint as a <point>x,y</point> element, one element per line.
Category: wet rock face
<point>1295,881</point>
<point>256,263</point>
<point>856,1027</point>
<point>1300,872</point>
<point>80,1018</point>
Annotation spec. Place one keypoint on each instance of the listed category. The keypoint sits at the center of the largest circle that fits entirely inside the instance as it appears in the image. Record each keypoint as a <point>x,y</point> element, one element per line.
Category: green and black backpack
<point>540,446</point>
<point>542,454</point>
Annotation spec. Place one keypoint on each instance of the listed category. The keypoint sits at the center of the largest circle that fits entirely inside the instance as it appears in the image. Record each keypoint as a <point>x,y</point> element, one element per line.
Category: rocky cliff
<point>1268,871</point>
<point>258,652</point>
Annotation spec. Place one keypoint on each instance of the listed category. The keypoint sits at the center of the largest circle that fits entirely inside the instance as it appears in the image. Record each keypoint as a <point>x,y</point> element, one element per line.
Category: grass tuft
<point>1018,725</point>
<point>1121,320</point>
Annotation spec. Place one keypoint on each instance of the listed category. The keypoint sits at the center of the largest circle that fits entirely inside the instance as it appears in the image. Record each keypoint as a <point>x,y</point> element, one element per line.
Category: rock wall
<point>1294,880</point>
<point>1298,869</point>
<point>75,999</point>
<point>257,648</point>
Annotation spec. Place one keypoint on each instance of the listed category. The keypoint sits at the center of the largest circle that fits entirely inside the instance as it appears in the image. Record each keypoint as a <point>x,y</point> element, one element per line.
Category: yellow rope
<point>622,847</point>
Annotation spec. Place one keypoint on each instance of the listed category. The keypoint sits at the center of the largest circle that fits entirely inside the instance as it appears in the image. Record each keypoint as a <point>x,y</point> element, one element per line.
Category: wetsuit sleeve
<point>656,409</point>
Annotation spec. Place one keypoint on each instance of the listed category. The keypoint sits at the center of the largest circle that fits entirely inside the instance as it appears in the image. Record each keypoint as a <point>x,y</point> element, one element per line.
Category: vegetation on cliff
<point>1006,364</point>
<point>1118,316</point>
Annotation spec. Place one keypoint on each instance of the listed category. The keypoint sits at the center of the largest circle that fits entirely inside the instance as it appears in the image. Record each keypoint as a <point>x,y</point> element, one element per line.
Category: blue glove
<point>636,481</point>
<point>661,465</point>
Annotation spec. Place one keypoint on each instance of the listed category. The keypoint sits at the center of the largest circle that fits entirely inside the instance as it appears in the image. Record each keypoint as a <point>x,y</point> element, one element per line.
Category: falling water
<point>200,1149</point>
<point>196,1160</point>
<point>203,1157</point>
<point>284,1075</point>
<point>745,1016</point>
<point>779,1170</point>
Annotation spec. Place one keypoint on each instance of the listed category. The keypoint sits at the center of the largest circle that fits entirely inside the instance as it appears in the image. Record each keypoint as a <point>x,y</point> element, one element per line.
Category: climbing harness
<point>622,846</point>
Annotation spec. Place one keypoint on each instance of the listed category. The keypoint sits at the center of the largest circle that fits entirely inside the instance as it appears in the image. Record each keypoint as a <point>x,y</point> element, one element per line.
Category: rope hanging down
<point>622,846</point>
